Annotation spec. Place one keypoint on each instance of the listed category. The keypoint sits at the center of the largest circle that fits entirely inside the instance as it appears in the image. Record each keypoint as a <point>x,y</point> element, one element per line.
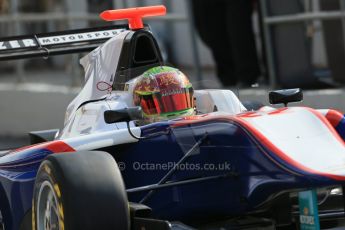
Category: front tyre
<point>80,190</point>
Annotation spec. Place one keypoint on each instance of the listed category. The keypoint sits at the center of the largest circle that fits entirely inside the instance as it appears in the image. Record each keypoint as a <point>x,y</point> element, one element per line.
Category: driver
<point>163,93</point>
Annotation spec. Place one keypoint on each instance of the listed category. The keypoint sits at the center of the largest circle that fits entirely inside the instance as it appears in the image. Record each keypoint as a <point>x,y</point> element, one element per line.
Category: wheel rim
<point>47,213</point>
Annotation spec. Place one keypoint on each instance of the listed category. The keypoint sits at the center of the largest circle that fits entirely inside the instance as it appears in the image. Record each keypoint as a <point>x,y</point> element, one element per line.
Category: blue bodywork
<point>17,176</point>
<point>260,173</point>
<point>252,173</point>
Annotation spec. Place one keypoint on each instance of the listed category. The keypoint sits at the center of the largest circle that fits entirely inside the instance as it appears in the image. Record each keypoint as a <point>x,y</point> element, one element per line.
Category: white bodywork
<point>303,137</point>
<point>100,67</point>
<point>84,114</point>
<point>103,139</point>
<point>89,118</point>
<point>298,133</point>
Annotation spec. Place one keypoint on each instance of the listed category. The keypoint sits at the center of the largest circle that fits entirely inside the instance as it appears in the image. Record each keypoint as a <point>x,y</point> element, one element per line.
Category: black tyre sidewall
<point>46,173</point>
<point>91,187</point>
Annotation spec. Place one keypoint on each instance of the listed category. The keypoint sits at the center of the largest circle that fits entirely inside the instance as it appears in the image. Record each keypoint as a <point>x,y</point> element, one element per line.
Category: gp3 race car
<point>225,166</point>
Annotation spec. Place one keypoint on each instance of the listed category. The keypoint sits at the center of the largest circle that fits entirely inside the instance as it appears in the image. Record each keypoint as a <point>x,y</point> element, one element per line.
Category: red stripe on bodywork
<point>269,145</point>
<point>59,147</point>
<point>334,117</point>
<point>53,146</point>
<point>328,124</point>
<point>240,119</point>
<point>22,148</point>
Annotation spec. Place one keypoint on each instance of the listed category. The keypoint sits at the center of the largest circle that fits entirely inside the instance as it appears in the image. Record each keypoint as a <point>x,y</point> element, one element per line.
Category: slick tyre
<point>79,190</point>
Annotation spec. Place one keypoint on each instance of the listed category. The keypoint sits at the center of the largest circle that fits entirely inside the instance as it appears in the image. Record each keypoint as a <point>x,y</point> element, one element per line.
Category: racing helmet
<point>163,92</point>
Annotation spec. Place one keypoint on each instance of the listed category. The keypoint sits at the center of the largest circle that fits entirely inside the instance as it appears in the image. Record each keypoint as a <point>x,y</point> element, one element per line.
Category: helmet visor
<point>157,103</point>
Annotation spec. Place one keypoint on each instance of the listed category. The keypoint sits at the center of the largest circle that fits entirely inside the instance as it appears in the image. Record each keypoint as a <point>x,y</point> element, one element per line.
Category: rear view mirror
<point>123,115</point>
<point>285,96</point>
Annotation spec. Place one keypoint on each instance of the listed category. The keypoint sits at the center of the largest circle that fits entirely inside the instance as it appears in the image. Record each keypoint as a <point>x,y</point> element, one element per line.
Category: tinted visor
<point>158,103</point>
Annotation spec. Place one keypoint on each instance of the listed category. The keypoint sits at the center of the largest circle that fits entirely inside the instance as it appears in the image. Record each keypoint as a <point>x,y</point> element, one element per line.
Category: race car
<point>134,155</point>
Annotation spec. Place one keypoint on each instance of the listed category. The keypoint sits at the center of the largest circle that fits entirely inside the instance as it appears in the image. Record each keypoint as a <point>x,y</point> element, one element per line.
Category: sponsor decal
<point>305,218</point>
<point>59,39</point>
<point>309,217</point>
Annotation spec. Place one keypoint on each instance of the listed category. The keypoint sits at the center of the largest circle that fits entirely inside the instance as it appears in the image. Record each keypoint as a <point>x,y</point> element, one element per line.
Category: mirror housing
<point>123,115</point>
<point>285,96</point>
<point>41,136</point>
